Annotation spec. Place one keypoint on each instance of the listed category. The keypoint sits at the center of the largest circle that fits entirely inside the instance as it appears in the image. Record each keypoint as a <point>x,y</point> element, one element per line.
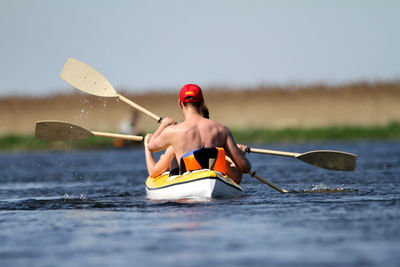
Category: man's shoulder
<point>175,128</point>
<point>202,124</point>
<point>220,125</point>
<point>221,128</point>
<point>213,122</point>
<point>178,128</point>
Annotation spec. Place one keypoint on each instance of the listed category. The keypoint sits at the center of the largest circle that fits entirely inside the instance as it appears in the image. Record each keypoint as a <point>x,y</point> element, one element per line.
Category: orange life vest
<point>204,158</point>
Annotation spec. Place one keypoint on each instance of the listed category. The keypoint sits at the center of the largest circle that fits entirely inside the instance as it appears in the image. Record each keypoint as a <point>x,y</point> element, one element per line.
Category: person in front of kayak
<point>168,162</point>
<point>196,134</point>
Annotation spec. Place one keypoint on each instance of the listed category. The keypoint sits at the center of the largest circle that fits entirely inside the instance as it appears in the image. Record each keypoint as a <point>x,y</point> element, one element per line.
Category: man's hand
<point>242,147</point>
<point>168,121</point>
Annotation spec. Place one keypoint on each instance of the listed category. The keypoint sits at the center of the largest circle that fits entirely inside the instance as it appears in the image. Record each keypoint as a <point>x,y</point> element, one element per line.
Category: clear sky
<point>143,45</point>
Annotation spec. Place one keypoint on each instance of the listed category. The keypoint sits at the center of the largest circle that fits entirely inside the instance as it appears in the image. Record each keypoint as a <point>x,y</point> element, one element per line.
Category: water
<point>88,208</point>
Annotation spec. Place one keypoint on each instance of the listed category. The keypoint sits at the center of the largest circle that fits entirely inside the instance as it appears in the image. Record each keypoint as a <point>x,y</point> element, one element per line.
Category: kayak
<point>200,184</point>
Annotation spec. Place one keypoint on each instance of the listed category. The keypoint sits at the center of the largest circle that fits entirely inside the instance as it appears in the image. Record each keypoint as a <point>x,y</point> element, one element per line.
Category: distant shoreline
<point>245,136</point>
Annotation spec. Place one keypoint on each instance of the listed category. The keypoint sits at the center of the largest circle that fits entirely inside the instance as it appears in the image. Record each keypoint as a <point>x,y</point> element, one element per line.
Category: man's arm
<point>156,168</point>
<point>160,139</point>
<point>238,156</point>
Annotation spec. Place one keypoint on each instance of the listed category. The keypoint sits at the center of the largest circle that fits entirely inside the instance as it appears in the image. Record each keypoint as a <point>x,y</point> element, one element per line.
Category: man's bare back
<point>196,132</point>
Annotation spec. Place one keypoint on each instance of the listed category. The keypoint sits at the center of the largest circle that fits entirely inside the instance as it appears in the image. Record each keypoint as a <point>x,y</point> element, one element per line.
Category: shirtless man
<point>168,161</point>
<point>196,131</point>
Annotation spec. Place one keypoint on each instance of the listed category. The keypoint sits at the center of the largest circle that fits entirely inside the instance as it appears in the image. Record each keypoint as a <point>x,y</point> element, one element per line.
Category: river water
<point>88,208</point>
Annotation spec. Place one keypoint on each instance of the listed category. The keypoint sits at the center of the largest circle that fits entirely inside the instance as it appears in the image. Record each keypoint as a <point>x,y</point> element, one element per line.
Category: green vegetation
<point>17,142</point>
<point>21,143</point>
<point>256,135</point>
<point>253,135</point>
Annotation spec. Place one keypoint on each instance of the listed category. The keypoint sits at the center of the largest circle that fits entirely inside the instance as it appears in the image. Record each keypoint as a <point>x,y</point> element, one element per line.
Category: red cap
<point>191,90</point>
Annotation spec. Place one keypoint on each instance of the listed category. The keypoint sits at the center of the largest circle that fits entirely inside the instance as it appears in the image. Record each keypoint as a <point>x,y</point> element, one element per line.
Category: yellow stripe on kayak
<point>164,180</point>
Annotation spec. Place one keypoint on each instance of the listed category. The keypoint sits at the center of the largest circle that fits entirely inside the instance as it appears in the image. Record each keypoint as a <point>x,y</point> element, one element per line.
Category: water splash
<point>322,188</point>
<point>85,101</point>
<point>84,112</point>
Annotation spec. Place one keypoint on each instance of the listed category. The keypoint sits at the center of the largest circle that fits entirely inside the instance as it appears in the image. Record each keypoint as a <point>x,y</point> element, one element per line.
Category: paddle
<point>274,186</point>
<point>326,159</point>
<point>85,78</point>
<point>64,131</point>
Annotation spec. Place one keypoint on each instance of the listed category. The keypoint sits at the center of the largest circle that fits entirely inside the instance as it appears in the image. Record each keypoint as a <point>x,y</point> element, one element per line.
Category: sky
<point>161,45</point>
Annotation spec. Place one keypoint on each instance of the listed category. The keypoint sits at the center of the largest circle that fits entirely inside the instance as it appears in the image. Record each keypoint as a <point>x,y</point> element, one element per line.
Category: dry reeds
<point>361,104</point>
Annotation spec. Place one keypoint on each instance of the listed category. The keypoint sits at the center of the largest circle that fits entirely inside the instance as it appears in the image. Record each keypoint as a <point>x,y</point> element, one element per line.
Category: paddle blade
<point>329,159</point>
<point>85,78</point>
<point>60,131</point>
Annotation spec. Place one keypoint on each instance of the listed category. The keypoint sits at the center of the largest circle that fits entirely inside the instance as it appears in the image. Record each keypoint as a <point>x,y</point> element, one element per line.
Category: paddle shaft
<point>272,152</point>
<point>121,136</point>
<point>274,186</point>
<point>253,174</point>
<point>142,109</point>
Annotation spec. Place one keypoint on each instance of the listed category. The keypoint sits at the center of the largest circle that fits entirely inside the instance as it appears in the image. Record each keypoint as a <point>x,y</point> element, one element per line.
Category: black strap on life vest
<point>206,157</point>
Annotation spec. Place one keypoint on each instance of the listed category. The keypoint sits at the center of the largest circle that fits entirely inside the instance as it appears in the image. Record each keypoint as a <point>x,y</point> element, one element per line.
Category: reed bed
<point>266,107</point>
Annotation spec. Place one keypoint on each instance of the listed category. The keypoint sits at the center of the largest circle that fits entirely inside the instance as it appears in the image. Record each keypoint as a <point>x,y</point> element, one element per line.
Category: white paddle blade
<point>85,78</point>
<point>329,159</point>
<point>60,131</point>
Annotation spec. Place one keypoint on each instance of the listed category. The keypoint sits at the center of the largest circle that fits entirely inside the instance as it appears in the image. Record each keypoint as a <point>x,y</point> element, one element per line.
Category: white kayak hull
<point>202,184</point>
